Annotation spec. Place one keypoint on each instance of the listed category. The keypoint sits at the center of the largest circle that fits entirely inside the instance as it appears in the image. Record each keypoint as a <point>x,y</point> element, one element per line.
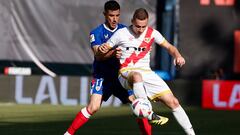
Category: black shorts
<point>108,87</point>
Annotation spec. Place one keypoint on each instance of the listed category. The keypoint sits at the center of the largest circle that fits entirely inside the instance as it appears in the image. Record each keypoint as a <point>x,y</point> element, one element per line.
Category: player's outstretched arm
<point>173,51</point>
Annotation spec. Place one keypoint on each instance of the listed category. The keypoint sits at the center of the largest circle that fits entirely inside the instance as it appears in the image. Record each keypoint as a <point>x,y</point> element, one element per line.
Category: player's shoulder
<point>121,32</point>
<point>97,29</point>
<point>120,26</point>
<point>154,31</point>
<point>151,28</point>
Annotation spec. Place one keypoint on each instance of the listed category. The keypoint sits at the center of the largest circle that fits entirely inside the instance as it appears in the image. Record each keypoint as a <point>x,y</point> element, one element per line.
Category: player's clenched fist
<point>179,61</point>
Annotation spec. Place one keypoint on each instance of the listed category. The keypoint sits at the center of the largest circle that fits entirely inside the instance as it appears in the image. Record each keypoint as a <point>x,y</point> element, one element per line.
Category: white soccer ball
<point>141,107</point>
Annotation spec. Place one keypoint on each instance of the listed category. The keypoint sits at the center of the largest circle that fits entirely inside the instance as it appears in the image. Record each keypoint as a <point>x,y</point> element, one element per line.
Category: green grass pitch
<point>54,120</point>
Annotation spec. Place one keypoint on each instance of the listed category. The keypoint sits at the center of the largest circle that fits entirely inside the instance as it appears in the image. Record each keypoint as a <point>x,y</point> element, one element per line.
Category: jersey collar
<point>105,26</point>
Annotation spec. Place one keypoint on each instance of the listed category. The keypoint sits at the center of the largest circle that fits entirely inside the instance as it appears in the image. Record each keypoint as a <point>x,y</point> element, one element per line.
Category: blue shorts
<point>109,87</point>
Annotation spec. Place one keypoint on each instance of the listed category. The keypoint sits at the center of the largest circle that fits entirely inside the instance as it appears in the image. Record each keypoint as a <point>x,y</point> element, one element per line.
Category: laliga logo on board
<point>221,94</point>
<point>56,91</point>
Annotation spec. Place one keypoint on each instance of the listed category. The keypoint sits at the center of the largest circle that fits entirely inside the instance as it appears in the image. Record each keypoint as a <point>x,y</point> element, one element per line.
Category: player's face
<point>112,18</point>
<point>139,26</point>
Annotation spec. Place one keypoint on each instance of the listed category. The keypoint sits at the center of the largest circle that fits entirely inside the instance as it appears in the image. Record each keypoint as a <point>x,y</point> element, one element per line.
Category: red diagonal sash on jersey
<point>135,58</point>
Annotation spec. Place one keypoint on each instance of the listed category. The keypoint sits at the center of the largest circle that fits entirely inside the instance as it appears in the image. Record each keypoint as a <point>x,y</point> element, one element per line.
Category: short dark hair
<point>111,5</point>
<point>140,14</point>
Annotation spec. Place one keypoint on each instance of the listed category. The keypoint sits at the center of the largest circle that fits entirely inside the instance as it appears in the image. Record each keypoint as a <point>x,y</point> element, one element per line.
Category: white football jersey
<point>135,50</point>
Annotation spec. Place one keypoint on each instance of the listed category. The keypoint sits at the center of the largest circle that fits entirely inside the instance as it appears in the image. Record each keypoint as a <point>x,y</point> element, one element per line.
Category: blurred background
<point>45,54</point>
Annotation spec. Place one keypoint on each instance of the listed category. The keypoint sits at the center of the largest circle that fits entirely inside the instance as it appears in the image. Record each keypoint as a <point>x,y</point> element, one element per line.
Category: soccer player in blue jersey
<point>105,72</point>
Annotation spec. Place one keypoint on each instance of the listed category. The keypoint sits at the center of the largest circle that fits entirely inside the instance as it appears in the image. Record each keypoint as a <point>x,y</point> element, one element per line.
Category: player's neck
<point>134,33</point>
<point>107,26</point>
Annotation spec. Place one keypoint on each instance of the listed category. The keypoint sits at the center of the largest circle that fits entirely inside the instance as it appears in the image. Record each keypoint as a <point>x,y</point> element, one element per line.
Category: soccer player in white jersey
<point>135,73</point>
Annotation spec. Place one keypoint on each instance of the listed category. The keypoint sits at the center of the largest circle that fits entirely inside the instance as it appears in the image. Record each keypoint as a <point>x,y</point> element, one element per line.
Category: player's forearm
<point>173,51</point>
<point>102,56</point>
<point>105,56</point>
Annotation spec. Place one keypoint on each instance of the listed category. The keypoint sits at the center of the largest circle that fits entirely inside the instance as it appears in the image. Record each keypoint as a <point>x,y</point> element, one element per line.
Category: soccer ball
<point>141,107</point>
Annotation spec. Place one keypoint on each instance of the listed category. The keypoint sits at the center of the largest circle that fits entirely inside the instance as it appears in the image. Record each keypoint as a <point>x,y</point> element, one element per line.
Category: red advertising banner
<point>218,2</point>
<point>221,95</point>
<point>237,51</point>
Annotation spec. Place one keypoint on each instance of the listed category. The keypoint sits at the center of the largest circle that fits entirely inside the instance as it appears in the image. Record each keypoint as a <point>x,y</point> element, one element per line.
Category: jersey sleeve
<point>158,38</point>
<point>95,38</point>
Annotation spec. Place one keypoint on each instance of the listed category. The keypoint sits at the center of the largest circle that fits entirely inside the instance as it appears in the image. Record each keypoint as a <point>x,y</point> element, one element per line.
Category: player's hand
<point>179,62</point>
<point>118,52</point>
<point>104,48</point>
